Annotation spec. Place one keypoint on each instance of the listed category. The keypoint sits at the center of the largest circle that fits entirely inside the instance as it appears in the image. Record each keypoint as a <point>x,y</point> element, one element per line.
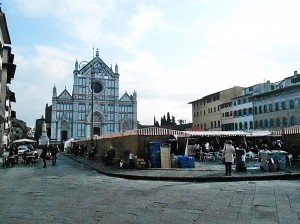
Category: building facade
<point>206,111</point>
<point>227,121</point>
<point>264,106</point>
<point>7,72</point>
<point>94,106</point>
<point>277,109</point>
<point>243,105</point>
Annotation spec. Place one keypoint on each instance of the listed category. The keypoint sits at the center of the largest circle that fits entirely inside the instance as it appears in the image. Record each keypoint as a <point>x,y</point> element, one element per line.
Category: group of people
<point>52,151</point>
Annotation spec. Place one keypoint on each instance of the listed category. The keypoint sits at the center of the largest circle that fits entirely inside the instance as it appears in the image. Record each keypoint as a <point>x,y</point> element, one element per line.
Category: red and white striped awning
<point>277,132</point>
<point>292,130</point>
<point>158,131</point>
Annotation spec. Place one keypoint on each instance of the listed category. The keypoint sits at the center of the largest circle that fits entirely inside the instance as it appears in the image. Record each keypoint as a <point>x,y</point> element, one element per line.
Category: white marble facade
<point>72,112</point>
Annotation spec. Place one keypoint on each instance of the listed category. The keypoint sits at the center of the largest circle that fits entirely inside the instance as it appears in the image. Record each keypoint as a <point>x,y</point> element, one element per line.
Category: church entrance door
<point>64,136</point>
<point>96,131</point>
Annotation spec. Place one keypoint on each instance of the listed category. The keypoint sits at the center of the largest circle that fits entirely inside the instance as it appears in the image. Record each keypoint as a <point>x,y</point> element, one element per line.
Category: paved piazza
<point>73,193</point>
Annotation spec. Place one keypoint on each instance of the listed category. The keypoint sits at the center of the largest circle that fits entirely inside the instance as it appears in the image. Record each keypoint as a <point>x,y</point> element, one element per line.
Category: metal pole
<point>92,120</point>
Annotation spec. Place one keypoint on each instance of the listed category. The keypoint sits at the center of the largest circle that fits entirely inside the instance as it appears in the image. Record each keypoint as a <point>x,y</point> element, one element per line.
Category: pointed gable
<point>65,95</point>
<point>125,98</point>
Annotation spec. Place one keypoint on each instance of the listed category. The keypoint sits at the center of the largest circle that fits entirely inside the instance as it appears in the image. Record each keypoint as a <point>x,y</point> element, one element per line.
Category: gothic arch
<point>125,125</point>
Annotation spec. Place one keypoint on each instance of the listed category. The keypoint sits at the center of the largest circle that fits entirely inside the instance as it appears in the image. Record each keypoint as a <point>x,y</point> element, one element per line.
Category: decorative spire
<point>76,65</point>
<point>54,91</point>
<point>116,68</point>
<point>97,53</point>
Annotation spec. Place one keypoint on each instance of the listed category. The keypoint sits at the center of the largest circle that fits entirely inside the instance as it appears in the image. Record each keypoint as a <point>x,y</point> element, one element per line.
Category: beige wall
<point>206,111</point>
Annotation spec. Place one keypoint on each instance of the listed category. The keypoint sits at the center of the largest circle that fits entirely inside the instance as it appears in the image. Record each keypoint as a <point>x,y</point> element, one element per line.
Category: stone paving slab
<point>203,172</point>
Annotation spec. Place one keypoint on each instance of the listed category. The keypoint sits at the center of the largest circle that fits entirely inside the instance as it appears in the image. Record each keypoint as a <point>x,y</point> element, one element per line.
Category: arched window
<point>260,109</point>
<point>235,126</point>
<point>278,122</point>
<point>240,126</point>
<point>265,109</point>
<point>255,110</point>
<point>293,120</point>
<point>235,113</point>
<point>271,122</point>
<point>292,104</point>
<point>240,112</point>
<point>284,121</point>
<point>277,106</point>
<point>256,124</point>
<point>261,124</point>
<point>251,124</point>
<point>270,107</point>
<point>266,123</point>
<point>245,125</point>
<point>250,110</point>
<point>283,106</point>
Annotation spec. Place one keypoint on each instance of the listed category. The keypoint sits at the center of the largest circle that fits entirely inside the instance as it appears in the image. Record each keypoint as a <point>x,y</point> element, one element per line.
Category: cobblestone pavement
<point>74,193</point>
<point>203,172</point>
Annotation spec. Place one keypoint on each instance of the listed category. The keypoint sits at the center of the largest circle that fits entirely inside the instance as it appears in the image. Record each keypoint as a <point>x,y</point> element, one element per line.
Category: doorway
<point>64,136</point>
<point>96,131</point>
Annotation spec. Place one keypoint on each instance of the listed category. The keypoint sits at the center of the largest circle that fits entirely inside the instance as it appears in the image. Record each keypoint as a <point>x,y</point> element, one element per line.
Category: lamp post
<point>92,118</point>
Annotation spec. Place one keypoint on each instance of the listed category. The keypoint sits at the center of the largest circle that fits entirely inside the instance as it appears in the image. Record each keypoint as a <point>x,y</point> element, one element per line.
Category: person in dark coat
<point>54,150</point>
<point>44,155</point>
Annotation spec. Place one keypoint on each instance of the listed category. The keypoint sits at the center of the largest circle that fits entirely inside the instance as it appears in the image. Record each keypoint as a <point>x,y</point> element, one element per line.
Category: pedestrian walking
<point>228,156</point>
<point>54,150</point>
<point>44,155</point>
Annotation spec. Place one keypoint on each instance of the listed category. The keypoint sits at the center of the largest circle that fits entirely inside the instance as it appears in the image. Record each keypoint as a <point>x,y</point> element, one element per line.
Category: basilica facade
<point>94,106</point>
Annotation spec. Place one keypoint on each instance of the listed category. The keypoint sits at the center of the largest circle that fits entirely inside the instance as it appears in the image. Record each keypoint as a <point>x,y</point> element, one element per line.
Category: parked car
<point>22,149</point>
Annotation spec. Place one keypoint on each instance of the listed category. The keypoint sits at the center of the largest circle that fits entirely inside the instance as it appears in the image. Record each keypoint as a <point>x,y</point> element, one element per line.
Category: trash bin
<point>273,160</point>
<point>280,157</point>
<point>240,160</point>
<point>155,154</point>
<point>266,160</point>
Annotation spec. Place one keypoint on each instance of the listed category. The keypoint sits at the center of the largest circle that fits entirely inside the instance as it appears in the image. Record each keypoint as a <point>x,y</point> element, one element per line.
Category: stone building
<point>7,72</point>
<point>264,106</point>
<point>94,106</point>
<point>277,109</point>
<point>207,111</point>
<point>243,105</point>
<point>227,120</point>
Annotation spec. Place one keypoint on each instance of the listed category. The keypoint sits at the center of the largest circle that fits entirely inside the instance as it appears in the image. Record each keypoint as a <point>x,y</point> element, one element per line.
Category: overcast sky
<point>171,52</point>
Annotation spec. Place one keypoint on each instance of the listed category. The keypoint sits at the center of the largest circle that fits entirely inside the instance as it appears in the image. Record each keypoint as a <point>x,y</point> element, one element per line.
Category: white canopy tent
<point>24,140</point>
<point>68,144</point>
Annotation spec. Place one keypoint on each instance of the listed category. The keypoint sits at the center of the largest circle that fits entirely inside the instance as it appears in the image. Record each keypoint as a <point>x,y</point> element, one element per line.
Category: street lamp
<point>92,118</point>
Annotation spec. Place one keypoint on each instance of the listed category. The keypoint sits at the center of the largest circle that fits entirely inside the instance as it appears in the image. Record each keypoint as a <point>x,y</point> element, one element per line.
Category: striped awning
<point>158,131</point>
<point>212,133</point>
<point>292,130</point>
<point>277,132</point>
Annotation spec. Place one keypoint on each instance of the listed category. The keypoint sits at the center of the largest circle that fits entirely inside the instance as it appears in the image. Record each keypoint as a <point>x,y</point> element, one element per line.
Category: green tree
<point>173,122</point>
<point>168,119</point>
<point>156,124</point>
<point>181,121</point>
<point>163,121</point>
